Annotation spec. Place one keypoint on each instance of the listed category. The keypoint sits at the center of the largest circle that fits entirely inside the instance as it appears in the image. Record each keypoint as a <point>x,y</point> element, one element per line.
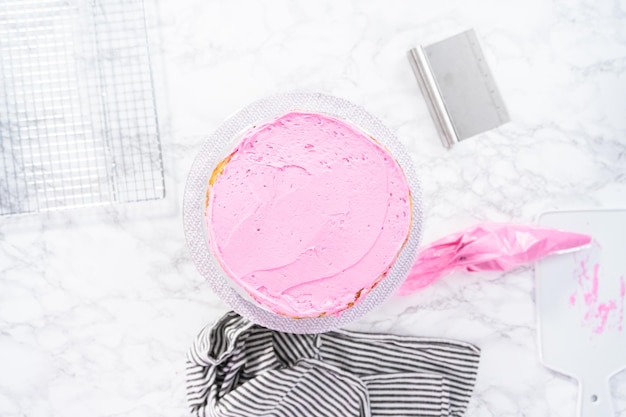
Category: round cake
<point>307,214</point>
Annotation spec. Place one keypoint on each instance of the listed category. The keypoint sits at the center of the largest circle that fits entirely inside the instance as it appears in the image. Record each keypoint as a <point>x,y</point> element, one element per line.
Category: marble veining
<point>98,306</point>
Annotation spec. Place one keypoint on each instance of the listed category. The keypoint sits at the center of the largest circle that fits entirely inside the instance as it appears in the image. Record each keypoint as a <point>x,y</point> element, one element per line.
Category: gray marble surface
<point>98,306</point>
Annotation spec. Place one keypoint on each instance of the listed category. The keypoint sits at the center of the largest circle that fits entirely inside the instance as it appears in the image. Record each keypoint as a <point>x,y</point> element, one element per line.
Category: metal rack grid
<point>78,122</point>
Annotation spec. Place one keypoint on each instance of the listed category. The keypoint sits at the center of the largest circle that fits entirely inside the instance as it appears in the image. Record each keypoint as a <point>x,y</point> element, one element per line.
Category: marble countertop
<point>98,306</point>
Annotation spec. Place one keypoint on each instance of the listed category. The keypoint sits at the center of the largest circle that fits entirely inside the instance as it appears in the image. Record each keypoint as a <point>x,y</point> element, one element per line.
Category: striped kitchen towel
<point>238,369</point>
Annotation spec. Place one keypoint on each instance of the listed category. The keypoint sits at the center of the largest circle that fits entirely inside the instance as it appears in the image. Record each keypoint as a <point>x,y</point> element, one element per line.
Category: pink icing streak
<point>308,214</point>
<point>598,314</point>
<point>622,295</point>
<point>602,315</point>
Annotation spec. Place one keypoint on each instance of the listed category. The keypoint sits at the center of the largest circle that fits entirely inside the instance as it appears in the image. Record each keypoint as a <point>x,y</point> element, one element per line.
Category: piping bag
<point>488,247</point>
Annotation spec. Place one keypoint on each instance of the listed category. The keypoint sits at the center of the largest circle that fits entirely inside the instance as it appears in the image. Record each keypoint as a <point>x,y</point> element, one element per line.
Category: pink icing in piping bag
<point>488,247</point>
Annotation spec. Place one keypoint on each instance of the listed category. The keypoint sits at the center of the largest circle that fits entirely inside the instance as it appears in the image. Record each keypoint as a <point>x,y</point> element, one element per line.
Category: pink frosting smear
<point>608,314</point>
<point>308,214</point>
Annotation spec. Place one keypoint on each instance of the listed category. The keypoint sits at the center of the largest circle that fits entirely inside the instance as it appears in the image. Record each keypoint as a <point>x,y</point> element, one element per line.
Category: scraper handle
<point>594,398</point>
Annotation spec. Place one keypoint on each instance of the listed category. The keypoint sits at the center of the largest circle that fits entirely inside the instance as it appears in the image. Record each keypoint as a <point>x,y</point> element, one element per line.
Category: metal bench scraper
<point>458,87</point>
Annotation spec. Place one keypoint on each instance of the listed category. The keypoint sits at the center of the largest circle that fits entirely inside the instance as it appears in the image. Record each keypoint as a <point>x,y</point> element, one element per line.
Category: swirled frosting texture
<point>307,214</point>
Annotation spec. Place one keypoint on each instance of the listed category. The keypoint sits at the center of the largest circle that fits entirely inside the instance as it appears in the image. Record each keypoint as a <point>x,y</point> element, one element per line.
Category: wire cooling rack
<point>78,122</point>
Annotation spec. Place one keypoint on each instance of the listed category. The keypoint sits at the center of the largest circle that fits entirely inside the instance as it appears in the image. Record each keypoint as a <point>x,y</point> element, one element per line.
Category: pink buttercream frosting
<point>307,214</point>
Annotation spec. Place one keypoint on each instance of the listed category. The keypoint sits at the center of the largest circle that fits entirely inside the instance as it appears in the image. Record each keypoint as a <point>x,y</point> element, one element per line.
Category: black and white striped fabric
<point>238,369</point>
